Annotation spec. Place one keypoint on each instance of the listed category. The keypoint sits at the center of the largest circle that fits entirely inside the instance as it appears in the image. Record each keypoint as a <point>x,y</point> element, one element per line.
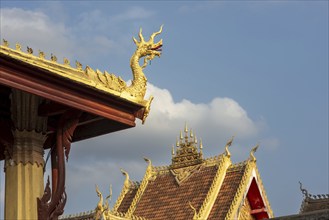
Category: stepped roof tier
<point>107,102</point>
<point>191,188</point>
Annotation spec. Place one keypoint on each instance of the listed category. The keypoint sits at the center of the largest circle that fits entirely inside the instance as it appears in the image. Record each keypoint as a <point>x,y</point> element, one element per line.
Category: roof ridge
<point>239,193</point>
<point>223,163</point>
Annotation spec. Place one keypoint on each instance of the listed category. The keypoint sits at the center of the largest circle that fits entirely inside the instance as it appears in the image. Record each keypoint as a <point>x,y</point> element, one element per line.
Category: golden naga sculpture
<point>148,50</point>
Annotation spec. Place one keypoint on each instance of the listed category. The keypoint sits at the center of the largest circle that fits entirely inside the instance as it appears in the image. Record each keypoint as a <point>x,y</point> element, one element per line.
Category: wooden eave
<point>102,112</point>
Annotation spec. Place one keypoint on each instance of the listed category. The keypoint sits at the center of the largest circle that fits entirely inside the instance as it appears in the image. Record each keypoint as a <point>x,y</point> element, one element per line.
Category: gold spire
<point>187,151</point>
<point>173,150</point>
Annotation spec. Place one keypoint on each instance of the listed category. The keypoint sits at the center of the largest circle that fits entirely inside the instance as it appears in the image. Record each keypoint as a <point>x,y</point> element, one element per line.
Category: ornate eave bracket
<point>52,203</point>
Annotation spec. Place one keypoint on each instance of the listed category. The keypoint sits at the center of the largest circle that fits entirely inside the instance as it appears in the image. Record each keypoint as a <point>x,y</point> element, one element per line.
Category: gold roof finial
<point>18,47</point>
<point>126,183</point>
<point>108,199</point>
<point>173,150</point>
<point>148,161</point>
<point>228,144</point>
<point>201,145</point>
<point>66,62</point>
<point>78,65</point>
<point>187,152</point>
<point>252,152</point>
<point>53,58</point>
<point>5,43</point>
<point>41,54</point>
<point>304,191</point>
<point>29,50</point>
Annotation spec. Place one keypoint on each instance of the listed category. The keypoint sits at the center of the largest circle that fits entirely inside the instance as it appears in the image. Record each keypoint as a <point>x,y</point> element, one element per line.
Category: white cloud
<point>98,160</point>
<point>36,30</point>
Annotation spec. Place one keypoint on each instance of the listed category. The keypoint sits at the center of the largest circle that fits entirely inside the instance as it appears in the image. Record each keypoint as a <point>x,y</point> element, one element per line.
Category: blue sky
<point>254,69</point>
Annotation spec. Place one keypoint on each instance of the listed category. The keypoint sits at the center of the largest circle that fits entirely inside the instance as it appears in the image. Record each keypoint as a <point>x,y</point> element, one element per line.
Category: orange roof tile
<point>124,206</point>
<point>165,199</point>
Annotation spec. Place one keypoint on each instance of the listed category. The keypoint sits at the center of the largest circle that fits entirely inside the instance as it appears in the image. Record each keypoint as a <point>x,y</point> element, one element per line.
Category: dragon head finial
<point>148,48</point>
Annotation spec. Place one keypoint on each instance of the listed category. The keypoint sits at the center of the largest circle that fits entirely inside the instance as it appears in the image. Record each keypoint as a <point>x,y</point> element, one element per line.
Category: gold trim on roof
<point>149,175</point>
<point>223,163</point>
<point>242,190</point>
<point>103,81</point>
<point>104,212</point>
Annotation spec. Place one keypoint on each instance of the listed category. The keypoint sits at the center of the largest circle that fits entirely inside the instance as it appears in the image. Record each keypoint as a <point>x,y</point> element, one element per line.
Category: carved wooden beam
<point>51,205</point>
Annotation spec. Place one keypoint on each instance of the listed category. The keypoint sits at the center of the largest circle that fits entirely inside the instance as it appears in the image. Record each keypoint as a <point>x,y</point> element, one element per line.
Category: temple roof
<point>312,207</point>
<point>193,187</point>
<point>104,101</point>
<point>313,202</point>
<point>104,82</point>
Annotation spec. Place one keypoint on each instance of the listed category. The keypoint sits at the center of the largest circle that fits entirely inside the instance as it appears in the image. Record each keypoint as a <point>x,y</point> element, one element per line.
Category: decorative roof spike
<point>53,58</point>
<point>126,183</point>
<point>228,144</point>
<point>304,191</point>
<point>252,152</point>
<point>177,142</point>
<point>41,54</point>
<point>186,129</point>
<point>173,150</point>
<point>18,47</point>
<point>5,43</point>
<point>66,62</point>
<point>78,65</point>
<point>29,50</point>
<point>181,135</point>
<point>148,161</point>
<point>201,145</point>
<point>191,133</point>
<point>195,139</point>
<point>109,197</point>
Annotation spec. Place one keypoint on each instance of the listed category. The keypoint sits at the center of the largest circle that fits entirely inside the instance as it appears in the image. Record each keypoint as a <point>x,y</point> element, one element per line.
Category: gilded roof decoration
<point>187,153</point>
<point>194,187</point>
<point>103,81</point>
<point>312,202</point>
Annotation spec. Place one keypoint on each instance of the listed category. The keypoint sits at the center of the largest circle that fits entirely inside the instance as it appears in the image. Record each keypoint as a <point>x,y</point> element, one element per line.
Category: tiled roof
<point>227,192</point>
<point>165,199</point>
<point>195,188</point>
<point>129,196</point>
<point>315,203</point>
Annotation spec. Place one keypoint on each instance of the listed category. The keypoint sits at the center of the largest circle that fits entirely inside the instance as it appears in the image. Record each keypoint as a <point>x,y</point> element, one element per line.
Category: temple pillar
<point>24,163</point>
